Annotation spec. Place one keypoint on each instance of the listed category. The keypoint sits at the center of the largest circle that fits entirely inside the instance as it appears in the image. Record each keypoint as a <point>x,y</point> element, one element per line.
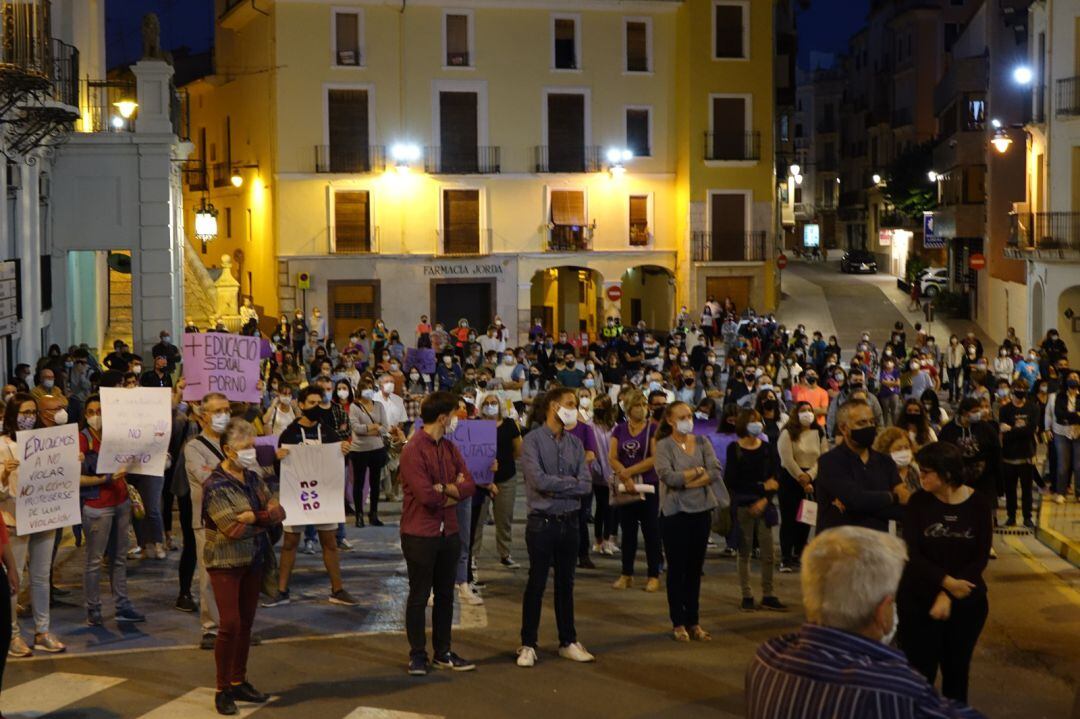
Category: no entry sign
<point>614,293</point>
<point>781,261</point>
<point>977,261</point>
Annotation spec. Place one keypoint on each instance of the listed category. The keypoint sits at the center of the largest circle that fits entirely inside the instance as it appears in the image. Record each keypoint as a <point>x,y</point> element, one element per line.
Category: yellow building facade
<point>477,158</point>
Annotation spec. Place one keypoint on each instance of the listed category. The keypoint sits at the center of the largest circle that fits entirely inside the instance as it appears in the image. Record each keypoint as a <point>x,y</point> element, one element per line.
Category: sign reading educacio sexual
<point>225,363</point>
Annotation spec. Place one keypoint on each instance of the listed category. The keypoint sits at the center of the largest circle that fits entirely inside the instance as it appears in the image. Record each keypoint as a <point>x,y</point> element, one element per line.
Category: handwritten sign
<point>313,485</point>
<point>135,428</point>
<point>49,468</point>
<point>220,362</point>
<point>476,440</point>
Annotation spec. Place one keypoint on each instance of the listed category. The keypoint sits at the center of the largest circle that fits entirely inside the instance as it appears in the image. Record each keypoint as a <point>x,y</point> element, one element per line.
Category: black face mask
<point>864,436</point>
<point>314,413</point>
<point>914,416</point>
<point>688,382</point>
<point>770,405</point>
<point>811,381</point>
<point>658,413</point>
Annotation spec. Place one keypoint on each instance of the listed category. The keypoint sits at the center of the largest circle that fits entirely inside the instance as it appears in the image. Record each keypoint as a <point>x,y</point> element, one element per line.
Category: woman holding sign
<point>21,414</point>
<point>237,512</point>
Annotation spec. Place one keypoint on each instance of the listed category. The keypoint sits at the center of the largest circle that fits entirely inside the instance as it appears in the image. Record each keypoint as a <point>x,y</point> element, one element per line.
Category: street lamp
<point>236,179</point>
<point>117,122</point>
<point>617,158</point>
<point>206,226</point>
<point>934,177</point>
<point>876,178</point>
<point>403,155</point>
<point>126,108</point>
<point>1023,75</point>
<point>1001,141</point>
<point>795,170</point>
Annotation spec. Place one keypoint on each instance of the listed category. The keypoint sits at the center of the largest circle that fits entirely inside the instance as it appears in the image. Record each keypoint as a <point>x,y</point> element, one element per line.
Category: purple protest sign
<point>220,362</point>
<point>476,440</point>
<point>266,351</point>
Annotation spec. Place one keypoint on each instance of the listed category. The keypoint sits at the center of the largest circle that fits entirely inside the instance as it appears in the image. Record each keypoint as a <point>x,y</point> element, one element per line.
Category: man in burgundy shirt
<point>434,478</point>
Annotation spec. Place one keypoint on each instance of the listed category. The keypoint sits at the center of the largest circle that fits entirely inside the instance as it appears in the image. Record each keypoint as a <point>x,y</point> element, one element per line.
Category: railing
<point>463,161</point>
<point>98,100</point>
<point>25,45</point>
<point>733,145</point>
<point>65,72</point>
<point>363,246</point>
<point>569,238</point>
<point>586,160</point>
<point>640,236</point>
<point>483,245</point>
<point>728,246</point>
<point>194,174</point>
<point>330,159</point>
<point>1044,230</point>
<point>1068,96</point>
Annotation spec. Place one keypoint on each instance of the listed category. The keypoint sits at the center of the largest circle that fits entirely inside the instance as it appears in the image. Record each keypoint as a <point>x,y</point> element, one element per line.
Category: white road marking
<point>377,713</point>
<point>197,704</point>
<point>52,692</point>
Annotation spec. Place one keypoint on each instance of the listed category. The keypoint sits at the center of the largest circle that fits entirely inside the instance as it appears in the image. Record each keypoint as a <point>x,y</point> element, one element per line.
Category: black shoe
<point>454,662</point>
<point>58,592</point>
<point>224,703</point>
<point>1029,524</point>
<point>773,604</point>
<point>185,603</point>
<point>359,523</point>
<point>254,641</point>
<point>208,640</point>
<point>1010,522</point>
<point>247,693</point>
<point>747,604</point>
<point>374,521</point>
<point>585,563</point>
<point>418,666</point>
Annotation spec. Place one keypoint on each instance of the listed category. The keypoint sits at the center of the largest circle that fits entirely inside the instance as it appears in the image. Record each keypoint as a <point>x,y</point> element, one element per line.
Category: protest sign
<point>313,484</point>
<point>220,362</point>
<point>475,439</point>
<point>49,469</point>
<point>135,428</point>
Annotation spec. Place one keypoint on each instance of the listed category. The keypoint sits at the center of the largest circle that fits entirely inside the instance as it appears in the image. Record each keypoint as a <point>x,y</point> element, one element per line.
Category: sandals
<point>700,635</point>
<point>680,634</point>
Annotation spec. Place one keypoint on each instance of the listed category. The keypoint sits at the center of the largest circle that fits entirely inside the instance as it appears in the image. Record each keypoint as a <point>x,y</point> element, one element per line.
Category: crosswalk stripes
<point>41,696</point>
<point>377,713</point>
<point>197,704</point>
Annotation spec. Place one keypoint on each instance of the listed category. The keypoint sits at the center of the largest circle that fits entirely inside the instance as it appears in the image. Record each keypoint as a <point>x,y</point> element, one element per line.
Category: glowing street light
<point>1001,141</point>
<point>795,170</point>
<point>933,176</point>
<point>1023,75</point>
<point>876,178</point>
<point>404,154</point>
<point>126,108</point>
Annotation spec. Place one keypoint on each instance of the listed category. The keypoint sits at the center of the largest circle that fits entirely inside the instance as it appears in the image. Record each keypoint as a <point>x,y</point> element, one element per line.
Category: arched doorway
<point>648,294</point>
<point>1068,307</point>
<point>567,299</point>
<point>1038,301</point>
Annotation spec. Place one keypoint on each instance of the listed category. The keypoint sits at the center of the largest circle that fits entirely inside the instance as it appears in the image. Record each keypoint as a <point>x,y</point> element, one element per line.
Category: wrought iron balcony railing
<point>462,160</point>
<point>733,146</point>
<point>334,159</point>
<point>728,246</point>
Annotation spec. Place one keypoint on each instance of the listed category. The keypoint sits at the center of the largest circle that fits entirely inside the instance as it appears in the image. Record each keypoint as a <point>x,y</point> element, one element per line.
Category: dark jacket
<point>865,490</point>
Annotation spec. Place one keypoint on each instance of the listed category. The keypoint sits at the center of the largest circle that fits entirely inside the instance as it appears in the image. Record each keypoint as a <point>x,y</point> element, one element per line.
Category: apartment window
<point>637,46</point>
<point>976,114</point>
<point>352,222</point>
<point>729,139</point>
<point>461,222</point>
<point>729,30</point>
<point>347,128</point>
<point>566,43</point>
<point>458,40</point>
<point>566,132</point>
<point>347,46</point>
<point>784,125</point>
<point>637,132</point>
<point>458,131</point>
<point>568,220</point>
<point>639,220</point>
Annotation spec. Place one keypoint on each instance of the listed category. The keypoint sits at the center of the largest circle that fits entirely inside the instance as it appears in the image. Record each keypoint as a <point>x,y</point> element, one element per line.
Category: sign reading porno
<point>219,362</point>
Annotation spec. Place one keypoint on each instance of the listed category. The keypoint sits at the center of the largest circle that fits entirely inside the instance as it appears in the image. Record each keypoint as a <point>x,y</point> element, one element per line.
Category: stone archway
<point>567,299</point>
<point>648,294</point>
<point>1068,309</point>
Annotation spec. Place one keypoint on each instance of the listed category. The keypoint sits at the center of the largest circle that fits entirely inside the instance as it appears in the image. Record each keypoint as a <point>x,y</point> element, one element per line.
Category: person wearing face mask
<point>914,421</point>
<point>809,390</point>
<point>1053,347</point>
<point>106,519</point>
<point>298,332</point>
<point>512,376</point>
<point>556,478</point>
<point>310,428</point>
<point>281,412</point>
<point>840,662</point>
<point>46,385</point>
<point>954,367</point>
<point>1003,366</point>
<point>1065,427</point>
<point>856,383</point>
<point>449,372</point>
<point>691,487</point>
<point>386,394</point>
<point>367,451</point>
<point>435,479</point>
<point>980,445</point>
<point>158,375</point>
<point>889,389</point>
<point>1019,425</point>
<point>799,446</point>
<point>167,349</point>
<point>896,444</point>
<point>855,484</point>
<point>238,512</point>
<point>942,600</point>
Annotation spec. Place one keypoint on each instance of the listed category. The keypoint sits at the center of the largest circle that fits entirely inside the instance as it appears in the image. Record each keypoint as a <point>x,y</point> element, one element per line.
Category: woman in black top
<point>941,601</point>
<point>980,445</point>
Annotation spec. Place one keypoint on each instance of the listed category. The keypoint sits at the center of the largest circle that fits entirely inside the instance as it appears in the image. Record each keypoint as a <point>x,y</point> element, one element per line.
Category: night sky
<point>828,24</point>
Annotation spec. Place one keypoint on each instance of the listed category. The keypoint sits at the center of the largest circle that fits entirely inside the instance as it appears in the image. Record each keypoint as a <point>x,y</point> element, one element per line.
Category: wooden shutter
<point>566,132</point>
<point>352,227</point>
<point>568,208</point>
<point>458,131</point>
<point>728,225</point>
<point>729,128</point>
<point>461,221</point>
<point>637,47</point>
<point>348,130</point>
<point>347,30</point>
<point>729,30</point>
<point>457,41</point>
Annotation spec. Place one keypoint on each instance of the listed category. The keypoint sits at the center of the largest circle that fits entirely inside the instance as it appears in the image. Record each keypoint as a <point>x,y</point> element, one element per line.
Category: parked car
<point>933,280</point>
<point>858,261</point>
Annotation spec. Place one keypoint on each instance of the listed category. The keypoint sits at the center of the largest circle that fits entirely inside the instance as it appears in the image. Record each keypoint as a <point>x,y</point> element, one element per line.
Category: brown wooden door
<point>461,222</point>
<point>458,131</point>
<point>352,305</point>
<point>737,288</point>
<point>728,129</point>
<point>727,220</point>
<point>566,132</point>
<point>348,130</point>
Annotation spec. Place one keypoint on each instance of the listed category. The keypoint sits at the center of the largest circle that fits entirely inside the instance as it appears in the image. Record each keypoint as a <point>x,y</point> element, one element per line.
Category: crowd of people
<point>726,428</point>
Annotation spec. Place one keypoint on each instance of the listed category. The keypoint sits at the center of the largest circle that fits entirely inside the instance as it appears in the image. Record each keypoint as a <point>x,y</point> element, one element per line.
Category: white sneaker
<point>575,652</point>
<point>598,548</point>
<point>612,548</point>
<point>526,657</point>
<point>468,596</point>
<point>159,551</point>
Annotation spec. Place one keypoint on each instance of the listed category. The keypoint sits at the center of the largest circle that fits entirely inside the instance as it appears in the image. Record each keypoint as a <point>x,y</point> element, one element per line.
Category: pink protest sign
<point>219,362</point>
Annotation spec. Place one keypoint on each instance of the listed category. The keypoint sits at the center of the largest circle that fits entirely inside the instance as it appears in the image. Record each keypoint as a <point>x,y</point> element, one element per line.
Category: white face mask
<point>584,402</point>
<point>491,410</point>
<point>246,458</point>
<point>452,426</point>
<point>219,422</point>
<point>60,416</point>
<point>367,393</point>
<point>685,426</point>
<point>702,415</point>
<point>94,422</point>
<point>136,368</point>
<point>568,416</point>
<point>755,428</point>
<point>388,387</point>
<point>806,418</point>
<point>343,394</point>
<point>902,457</point>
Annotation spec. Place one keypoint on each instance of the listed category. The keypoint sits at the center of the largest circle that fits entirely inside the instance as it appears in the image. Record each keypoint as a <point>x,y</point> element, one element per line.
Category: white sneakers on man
<point>468,596</point>
<point>526,657</point>
<point>576,653</point>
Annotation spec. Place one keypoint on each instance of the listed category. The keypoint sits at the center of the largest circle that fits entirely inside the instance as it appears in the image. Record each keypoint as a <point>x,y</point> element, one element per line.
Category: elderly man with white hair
<point>839,664</point>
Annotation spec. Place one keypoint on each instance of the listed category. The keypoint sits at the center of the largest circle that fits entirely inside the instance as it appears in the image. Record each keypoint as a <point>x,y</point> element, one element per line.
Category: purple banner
<point>475,439</point>
<point>219,362</point>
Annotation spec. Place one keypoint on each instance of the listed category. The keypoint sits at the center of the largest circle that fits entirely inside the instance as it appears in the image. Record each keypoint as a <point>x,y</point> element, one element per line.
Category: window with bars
<point>568,220</point>
<point>352,221</point>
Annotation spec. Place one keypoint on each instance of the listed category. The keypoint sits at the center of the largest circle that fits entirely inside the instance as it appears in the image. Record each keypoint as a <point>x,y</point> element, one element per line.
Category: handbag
<point>138,508</point>
<point>807,513</point>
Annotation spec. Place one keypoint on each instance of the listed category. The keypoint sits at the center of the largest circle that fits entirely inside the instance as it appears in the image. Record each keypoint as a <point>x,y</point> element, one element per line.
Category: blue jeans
<point>151,528</point>
<point>106,534</point>
<point>1068,461</point>
<point>464,519</point>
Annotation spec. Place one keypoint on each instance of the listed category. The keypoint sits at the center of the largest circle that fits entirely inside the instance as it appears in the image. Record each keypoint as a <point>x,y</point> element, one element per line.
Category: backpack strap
<point>210,446</point>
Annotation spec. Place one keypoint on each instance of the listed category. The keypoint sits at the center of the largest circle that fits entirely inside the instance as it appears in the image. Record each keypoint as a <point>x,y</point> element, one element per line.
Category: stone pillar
<point>227,290</point>
<point>28,249</point>
<point>153,88</point>
<point>524,313</point>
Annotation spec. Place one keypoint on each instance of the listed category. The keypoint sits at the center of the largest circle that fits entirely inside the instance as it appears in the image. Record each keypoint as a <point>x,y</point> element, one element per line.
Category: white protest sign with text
<point>135,428</point>
<point>313,484</point>
<point>49,469</point>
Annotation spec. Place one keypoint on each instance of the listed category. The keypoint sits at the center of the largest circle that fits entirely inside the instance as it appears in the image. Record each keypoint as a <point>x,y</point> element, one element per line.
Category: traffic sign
<point>614,293</point>
<point>977,261</point>
<point>781,261</point>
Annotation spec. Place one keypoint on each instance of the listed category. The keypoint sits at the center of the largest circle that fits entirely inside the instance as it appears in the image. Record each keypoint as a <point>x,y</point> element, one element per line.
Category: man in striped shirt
<point>839,664</point>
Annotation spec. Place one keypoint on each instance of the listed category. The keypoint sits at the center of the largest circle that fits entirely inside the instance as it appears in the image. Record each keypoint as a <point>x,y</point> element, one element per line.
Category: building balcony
<point>462,242</point>
<point>569,238</point>
<point>1044,235</point>
<point>220,173</point>
<point>1038,105</point>
<point>728,246</point>
<point>368,244</point>
<point>569,160</point>
<point>462,161</point>
<point>1068,97</point>
<point>330,159</point>
<point>733,146</point>
<point>195,176</point>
